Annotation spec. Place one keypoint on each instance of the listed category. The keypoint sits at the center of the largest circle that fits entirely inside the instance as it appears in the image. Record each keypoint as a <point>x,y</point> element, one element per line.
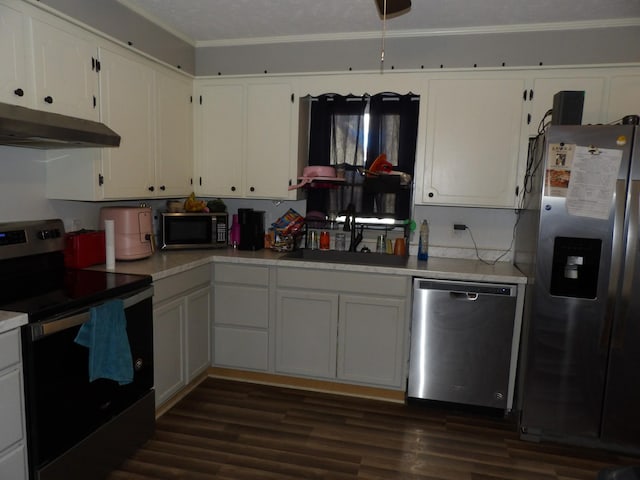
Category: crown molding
<point>436,32</point>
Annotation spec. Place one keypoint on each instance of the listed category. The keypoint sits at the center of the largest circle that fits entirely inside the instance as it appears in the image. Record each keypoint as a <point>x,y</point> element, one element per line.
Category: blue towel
<point>105,335</point>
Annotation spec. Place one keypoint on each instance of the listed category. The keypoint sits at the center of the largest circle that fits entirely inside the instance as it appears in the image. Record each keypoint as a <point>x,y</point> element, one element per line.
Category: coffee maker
<point>251,229</point>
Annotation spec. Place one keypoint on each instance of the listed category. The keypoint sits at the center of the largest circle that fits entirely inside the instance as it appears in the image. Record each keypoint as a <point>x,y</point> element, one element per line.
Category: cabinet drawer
<point>181,282</point>
<point>9,348</point>
<point>353,282</point>
<point>245,274</point>
<point>247,306</point>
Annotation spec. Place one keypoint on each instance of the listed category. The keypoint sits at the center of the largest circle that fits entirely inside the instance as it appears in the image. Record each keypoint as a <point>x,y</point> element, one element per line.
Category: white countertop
<point>11,320</point>
<point>166,263</point>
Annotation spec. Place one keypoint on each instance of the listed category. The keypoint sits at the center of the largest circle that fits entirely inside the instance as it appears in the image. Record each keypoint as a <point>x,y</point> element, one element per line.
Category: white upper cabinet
<point>219,139</point>
<point>244,145</point>
<point>473,141</point>
<point>624,97</point>
<point>128,107</point>
<point>66,80</point>
<point>174,162</point>
<point>544,89</point>
<point>14,86</point>
<point>269,140</point>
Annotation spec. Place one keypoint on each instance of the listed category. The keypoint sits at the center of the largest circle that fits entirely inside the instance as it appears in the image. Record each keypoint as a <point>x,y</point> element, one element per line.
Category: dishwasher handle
<point>467,296</point>
<point>466,288</point>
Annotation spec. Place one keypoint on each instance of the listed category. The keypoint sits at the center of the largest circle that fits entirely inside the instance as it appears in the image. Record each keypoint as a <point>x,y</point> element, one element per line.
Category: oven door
<point>63,408</point>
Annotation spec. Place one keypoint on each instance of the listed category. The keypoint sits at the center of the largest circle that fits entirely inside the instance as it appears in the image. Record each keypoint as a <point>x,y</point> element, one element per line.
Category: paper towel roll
<point>110,244</point>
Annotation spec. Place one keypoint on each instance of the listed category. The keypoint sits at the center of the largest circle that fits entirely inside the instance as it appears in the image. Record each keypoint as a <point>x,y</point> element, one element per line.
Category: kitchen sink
<point>357,258</point>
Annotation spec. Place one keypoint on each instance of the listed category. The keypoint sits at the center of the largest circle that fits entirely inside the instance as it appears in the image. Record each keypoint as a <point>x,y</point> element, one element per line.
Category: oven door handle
<point>45,328</point>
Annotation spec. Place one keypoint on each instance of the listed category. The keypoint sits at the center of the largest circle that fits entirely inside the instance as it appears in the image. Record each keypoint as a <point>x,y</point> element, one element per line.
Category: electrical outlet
<point>458,227</point>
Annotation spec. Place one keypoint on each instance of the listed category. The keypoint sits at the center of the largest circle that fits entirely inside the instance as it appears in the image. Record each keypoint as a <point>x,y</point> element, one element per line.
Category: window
<point>352,131</point>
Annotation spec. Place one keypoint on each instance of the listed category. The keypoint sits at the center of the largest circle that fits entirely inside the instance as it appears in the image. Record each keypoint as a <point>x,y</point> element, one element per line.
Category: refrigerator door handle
<point>629,264</point>
<point>616,260</point>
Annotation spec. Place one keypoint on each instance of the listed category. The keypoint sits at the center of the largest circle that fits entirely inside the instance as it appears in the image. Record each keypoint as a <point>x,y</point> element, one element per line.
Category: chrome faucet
<point>350,226</point>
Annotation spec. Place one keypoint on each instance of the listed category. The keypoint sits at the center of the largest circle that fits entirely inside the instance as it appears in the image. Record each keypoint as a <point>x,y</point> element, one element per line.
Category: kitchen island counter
<point>166,263</point>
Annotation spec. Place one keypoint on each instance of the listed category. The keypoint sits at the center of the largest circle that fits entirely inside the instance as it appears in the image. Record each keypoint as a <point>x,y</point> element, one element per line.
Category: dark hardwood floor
<point>233,431</point>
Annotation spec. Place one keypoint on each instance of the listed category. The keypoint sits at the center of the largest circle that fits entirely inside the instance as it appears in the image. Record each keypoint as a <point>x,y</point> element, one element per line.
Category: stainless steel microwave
<point>194,230</point>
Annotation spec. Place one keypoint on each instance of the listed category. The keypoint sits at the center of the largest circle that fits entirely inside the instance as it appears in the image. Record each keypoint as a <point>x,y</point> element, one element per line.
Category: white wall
<point>491,228</point>
<point>514,49</point>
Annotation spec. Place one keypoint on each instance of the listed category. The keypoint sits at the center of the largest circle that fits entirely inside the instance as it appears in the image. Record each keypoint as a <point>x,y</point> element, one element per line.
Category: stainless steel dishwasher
<point>461,338</point>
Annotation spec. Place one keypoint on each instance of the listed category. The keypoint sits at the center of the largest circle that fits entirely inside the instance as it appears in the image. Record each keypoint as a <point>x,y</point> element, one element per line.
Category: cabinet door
<point>624,97</point>
<point>10,408</point>
<point>306,332</point>
<point>65,78</point>
<point>128,107</point>
<point>13,464</point>
<point>545,88</point>
<point>174,162</point>
<point>13,76</point>
<point>219,140</point>
<point>168,349</point>
<point>371,340</point>
<point>473,141</point>
<point>238,347</point>
<point>198,332</point>
<point>269,114</point>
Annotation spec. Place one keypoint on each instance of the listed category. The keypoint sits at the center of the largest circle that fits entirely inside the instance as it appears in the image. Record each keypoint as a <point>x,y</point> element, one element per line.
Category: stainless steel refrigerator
<point>577,241</point>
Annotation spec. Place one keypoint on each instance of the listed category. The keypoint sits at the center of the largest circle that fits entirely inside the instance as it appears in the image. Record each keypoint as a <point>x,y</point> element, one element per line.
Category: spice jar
<point>325,240</point>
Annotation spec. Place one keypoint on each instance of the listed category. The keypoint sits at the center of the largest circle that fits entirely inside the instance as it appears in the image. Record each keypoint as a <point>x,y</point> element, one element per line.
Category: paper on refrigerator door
<point>594,172</point>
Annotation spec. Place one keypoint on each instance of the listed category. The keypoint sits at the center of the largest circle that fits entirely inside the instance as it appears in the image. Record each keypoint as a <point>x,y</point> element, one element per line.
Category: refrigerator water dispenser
<point>574,271</point>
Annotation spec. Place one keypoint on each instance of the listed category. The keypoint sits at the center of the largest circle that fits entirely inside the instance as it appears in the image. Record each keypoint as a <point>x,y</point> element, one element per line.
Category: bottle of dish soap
<point>423,241</point>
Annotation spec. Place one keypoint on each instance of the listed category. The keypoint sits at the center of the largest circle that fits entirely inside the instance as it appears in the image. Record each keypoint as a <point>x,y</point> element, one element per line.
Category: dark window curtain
<point>337,137</point>
<point>336,129</point>
<point>393,130</point>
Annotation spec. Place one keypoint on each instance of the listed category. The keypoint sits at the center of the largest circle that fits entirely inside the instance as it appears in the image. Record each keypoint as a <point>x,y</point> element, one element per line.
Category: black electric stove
<point>78,426</point>
<point>33,278</point>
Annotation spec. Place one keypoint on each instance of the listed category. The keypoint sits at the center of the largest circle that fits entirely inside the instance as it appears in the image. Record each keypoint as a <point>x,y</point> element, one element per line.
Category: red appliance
<point>84,248</point>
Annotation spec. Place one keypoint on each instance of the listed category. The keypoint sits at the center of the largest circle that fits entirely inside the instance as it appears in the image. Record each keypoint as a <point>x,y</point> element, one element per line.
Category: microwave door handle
<point>45,328</point>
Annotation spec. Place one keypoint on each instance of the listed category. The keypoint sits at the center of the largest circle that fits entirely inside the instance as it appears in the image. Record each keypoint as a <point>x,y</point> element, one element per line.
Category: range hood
<point>25,127</point>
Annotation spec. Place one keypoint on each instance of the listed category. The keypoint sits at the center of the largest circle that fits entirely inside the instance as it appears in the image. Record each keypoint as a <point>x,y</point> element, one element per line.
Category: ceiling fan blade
<point>394,7</point>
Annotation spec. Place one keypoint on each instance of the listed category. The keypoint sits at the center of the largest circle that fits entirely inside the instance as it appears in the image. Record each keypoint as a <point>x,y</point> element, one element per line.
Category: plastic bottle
<point>234,236</point>
<point>423,242</point>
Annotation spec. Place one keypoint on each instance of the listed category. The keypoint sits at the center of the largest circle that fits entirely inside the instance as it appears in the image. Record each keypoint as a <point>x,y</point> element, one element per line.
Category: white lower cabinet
<point>168,349</point>
<point>306,331</point>
<point>241,316</point>
<point>13,455</point>
<point>198,304</point>
<point>370,339</point>
<point>342,326</point>
<point>181,335</point>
